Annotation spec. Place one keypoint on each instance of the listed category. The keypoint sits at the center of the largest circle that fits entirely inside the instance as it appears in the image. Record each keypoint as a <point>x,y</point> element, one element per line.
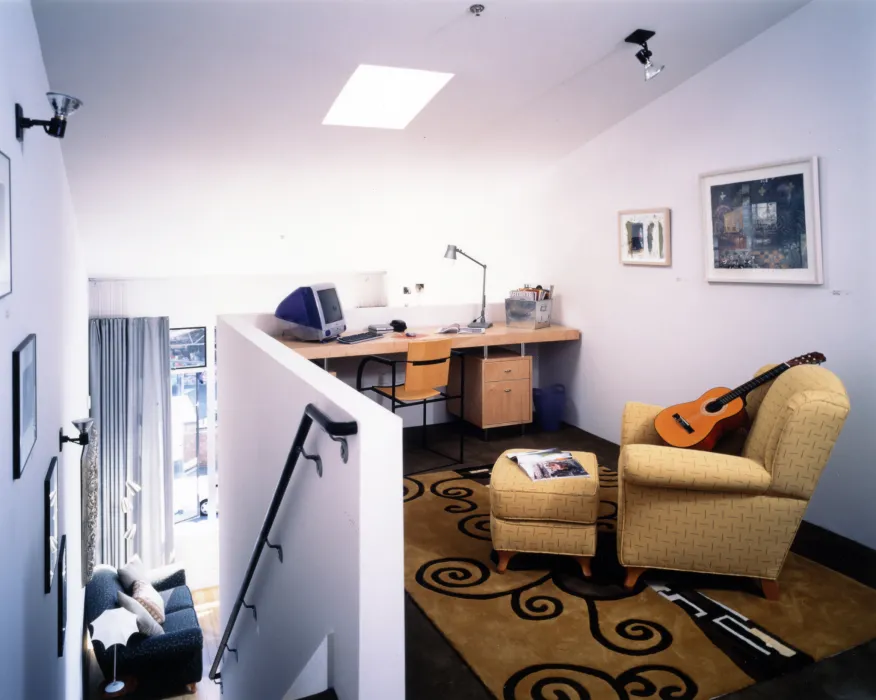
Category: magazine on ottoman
<point>548,464</point>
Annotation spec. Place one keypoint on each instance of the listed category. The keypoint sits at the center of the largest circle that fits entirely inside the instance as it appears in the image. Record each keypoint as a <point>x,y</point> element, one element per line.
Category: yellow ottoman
<point>550,516</point>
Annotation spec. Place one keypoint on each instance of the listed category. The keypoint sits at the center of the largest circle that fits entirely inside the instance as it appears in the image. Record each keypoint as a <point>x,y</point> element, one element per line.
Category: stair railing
<point>337,431</point>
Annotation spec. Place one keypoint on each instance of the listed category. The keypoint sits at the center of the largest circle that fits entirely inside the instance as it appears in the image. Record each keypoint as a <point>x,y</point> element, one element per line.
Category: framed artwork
<point>645,237</point>
<point>188,347</point>
<point>51,500</point>
<point>62,594</point>
<point>24,403</point>
<point>5,226</point>
<point>763,224</point>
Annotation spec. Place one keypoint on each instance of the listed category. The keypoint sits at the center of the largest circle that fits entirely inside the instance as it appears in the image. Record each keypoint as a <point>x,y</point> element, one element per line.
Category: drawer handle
<point>507,370</point>
<point>507,391</point>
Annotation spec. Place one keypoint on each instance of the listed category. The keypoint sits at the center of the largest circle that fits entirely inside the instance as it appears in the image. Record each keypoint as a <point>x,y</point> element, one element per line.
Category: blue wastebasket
<point>550,403</point>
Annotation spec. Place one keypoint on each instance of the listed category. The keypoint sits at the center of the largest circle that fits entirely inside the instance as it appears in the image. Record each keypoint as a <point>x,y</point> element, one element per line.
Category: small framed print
<point>24,403</point>
<point>50,506</point>
<point>645,237</point>
<point>762,224</point>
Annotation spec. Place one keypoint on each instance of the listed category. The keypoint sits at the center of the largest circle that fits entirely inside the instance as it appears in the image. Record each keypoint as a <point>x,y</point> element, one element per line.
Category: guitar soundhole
<point>714,406</point>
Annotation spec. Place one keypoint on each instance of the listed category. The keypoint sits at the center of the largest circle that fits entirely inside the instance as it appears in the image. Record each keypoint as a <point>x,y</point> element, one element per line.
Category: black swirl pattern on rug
<point>573,682</point>
<point>451,576</point>
<point>413,489</point>
<point>633,630</point>
<point>476,526</point>
<point>458,493</point>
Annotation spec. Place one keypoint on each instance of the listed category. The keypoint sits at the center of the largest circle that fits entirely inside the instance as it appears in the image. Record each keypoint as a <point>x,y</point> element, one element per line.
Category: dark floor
<point>436,672</point>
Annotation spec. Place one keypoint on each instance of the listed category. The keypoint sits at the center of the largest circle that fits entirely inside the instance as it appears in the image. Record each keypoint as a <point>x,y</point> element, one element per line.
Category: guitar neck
<point>751,385</point>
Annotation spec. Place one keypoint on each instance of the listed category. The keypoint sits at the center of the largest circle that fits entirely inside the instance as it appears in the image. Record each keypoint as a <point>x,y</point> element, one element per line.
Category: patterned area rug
<point>542,632</point>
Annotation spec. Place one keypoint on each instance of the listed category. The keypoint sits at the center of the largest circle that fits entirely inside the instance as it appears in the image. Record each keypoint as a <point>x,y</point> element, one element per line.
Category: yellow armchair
<point>707,512</point>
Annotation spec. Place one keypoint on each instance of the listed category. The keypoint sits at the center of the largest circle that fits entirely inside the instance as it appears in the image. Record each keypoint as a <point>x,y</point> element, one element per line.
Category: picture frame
<point>5,225</point>
<point>188,348</point>
<point>645,237</point>
<point>24,403</point>
<point>62,595</point>
<point>762,225</point>
<point>51,500</point>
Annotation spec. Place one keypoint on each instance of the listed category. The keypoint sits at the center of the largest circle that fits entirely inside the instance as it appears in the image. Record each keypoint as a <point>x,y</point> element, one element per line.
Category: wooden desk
<point>499,334</point>
<point>498,385</point>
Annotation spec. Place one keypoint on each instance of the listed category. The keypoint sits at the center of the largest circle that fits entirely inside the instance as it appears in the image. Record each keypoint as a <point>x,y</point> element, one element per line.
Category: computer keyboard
<point>359,337</point>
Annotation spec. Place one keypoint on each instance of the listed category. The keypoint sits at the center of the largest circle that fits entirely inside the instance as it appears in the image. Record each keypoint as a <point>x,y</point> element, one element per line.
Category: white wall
<point>342,533</point>
<point>49,298</point>
<point>662,335</point>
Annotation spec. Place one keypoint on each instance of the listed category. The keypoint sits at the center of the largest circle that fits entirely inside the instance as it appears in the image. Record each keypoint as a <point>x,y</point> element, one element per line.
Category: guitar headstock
<point>812,358</point>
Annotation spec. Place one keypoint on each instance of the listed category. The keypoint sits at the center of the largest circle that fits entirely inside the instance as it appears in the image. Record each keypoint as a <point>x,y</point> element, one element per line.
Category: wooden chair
<point>427,372</point>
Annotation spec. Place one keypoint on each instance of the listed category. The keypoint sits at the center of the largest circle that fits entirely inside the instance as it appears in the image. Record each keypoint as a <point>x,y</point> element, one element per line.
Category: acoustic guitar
<point>700,424</point>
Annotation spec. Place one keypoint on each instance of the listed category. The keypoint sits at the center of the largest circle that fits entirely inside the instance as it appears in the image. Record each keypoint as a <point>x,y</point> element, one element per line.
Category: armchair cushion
<point>674,468</point>
<point>176,599</point>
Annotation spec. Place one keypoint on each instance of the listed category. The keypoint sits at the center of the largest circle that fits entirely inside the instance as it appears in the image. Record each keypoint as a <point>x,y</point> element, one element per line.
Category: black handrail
<point>337,430</point>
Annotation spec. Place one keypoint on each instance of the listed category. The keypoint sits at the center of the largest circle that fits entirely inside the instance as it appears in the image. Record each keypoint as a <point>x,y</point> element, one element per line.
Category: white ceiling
<point>202,96</point>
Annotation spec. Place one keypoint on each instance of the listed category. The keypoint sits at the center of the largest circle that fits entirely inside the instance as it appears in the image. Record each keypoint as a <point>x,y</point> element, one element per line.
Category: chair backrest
<point>424,369</point>
<point>797,424</point>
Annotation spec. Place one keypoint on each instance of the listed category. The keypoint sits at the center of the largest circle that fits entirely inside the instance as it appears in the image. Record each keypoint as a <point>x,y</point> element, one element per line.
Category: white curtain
<point>130,403</point>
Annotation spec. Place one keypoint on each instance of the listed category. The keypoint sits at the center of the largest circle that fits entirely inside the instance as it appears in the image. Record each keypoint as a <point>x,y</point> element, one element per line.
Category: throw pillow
<point>145,622</point>
<point>150,599</point>
<point>134,570</point>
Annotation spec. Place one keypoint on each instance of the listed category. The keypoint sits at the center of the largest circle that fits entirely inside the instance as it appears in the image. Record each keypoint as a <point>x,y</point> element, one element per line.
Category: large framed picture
<point>24,403</point>
<point>645,237</point>
<point>62,594</point>
<point>188,348</point>
<point>5,226</point>
<point>51,500</point>
<point>763,224</point>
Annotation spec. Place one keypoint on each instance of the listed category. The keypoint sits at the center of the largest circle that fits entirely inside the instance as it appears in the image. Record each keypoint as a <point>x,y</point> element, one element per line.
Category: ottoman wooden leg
<point>633,573</point>
<point>504,558</point>
<point>584,563</point>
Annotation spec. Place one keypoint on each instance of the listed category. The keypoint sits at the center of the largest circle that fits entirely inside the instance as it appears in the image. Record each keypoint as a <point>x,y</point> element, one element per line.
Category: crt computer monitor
<point>313,313</point>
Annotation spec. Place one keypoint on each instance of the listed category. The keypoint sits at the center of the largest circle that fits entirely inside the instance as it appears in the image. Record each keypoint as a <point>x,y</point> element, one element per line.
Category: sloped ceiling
<point>192,106</point>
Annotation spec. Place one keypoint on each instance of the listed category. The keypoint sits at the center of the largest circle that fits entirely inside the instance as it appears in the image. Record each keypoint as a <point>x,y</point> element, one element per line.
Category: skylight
<point>381,97</point>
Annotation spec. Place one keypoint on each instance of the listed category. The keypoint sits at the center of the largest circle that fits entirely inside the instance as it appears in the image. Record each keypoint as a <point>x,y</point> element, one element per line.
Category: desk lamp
<point>480,321</point>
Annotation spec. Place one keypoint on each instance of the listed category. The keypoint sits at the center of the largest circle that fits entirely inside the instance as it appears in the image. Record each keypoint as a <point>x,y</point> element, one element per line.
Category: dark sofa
<point>163,663</point>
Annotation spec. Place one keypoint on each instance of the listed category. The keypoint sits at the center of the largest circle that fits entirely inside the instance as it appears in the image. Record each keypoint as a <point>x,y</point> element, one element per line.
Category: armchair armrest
<point>167,577</point>
<point>637,425</point>
<point>674,468</point>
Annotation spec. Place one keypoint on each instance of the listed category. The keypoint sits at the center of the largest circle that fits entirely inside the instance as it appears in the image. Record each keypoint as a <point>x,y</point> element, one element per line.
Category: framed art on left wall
<point>5,226</point>
<point>24,403</point>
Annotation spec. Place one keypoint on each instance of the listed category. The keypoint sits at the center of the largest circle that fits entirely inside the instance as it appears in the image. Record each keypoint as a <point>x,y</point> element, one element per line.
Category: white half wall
<point>342,534</point>
<point>805,87</point>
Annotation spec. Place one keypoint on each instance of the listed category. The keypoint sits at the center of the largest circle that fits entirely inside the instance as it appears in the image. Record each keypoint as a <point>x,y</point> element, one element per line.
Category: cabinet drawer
<point>505,370</point>
<point>507,403</point>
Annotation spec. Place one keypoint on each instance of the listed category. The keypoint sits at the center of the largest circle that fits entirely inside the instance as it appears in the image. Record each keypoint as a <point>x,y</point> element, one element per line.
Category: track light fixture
<point>640,37</point>
<point>63,105</point>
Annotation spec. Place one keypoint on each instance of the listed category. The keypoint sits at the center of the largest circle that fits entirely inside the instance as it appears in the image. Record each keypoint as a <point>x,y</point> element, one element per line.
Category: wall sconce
<point>640,37</point>
<point>64,106</point>
<point>83,425</point>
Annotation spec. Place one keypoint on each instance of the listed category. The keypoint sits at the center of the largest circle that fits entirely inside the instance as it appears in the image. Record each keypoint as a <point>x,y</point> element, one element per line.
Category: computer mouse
<point>409,334</point>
